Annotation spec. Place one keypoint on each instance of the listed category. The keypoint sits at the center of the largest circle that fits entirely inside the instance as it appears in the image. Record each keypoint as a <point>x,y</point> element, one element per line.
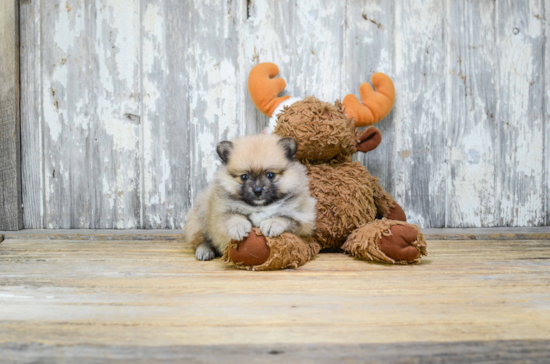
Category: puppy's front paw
<point>273,227</point>
<point>204,252</point>
<point>239,230</point>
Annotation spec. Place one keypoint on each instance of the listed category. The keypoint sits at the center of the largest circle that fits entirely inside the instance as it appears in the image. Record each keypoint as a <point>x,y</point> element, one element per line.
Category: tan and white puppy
<point>259,184</point>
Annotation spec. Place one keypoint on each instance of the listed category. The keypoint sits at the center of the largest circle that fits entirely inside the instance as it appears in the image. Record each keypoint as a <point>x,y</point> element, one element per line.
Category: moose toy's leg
<point>397,213</point>
<point>388,241</point>
<point>258,252</point>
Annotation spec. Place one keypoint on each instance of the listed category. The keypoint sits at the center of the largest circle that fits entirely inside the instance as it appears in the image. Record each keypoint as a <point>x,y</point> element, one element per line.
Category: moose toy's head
<point>324,131</point>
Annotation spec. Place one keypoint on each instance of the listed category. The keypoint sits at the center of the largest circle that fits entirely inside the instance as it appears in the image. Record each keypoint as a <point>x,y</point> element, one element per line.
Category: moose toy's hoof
<point>387,241</point>
<point>253,250</point>
<point>258,252</point>
<point>399,245</point>
<point>397,213</point>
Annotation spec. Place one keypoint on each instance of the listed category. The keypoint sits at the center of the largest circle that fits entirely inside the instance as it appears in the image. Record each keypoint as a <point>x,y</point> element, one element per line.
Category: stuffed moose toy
<point>354,213</point>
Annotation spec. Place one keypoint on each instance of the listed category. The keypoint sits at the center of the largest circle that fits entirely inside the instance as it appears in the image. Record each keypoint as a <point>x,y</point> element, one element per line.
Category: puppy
<point>261,184</point>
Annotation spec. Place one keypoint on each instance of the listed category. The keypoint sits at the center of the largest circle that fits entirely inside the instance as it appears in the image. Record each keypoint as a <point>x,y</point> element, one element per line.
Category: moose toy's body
<point>354,212</point>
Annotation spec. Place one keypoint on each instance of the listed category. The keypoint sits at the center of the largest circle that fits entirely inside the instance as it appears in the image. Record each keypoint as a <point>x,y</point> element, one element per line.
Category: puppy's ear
<point>224,149</point>
<point>290,147</point>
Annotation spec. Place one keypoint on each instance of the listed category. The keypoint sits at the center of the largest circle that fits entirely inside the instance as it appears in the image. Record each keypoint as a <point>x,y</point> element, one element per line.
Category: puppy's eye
<point>270,175</point>
<point>244,177</point>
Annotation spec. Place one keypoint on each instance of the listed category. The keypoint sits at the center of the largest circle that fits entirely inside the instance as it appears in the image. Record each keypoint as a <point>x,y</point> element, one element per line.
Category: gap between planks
<point>525,233</point>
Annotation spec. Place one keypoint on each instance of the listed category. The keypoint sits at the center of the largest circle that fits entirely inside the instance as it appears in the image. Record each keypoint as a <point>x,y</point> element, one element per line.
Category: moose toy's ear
<point>369,140</point>
<point>224,149</point>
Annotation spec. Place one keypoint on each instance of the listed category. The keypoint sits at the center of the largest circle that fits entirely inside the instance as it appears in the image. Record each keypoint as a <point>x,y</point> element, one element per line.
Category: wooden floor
<point>140,301</point>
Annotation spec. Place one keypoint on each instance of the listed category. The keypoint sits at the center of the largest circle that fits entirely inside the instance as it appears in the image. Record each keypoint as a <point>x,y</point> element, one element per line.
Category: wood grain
<point>420,112</point>
<point>113,295</point>
<point>11,217</point>
<point>497,351</point>
<point>32,155</point>
<point>546,102</point>
<point>165,129</point>
<point>90,100</point>
<point>533,233</point>
<point>472,128</point>
<point>520,40</point>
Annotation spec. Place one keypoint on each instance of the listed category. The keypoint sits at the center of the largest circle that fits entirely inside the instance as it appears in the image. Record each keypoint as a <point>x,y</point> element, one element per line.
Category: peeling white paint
<point>68,27</point>
<point>207,151</point>
<point>520,68</point>
<point>123,133</point>
<point>127,39</point>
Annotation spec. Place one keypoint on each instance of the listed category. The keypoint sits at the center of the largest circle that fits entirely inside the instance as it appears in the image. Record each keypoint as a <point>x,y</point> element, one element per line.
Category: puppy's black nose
<point>258,191</point>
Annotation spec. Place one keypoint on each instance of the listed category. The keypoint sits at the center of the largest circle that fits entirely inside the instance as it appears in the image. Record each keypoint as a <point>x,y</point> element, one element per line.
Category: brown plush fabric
<point>382,200</point>
<point>253,250</point>
<point>368,140</point>
<point>286,251</point>
<point>398,245</point>
<point>364,243</point>
<point>397,213</point>
<point>322,130</point>
<point>344,194</point>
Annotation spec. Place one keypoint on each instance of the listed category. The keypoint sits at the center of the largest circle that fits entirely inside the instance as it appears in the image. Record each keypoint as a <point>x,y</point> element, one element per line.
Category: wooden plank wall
<point>11,216</point>
<point>124,101</point>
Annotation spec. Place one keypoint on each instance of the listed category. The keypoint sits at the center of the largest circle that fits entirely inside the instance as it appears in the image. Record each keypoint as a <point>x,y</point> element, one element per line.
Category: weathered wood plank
<point>520,43</point>
<point>11,216</point>
<point>32,168</point>
<point>532,233</point>
<point>369,48</point>
<point>116,38</point>
<point>420,111</point>
<point>497,351</point>
<point>165,129</point>
<point>96,235</point>
<point>191,52</point>
<point>90,100</point>
<point>546,102</point>
<point>472,131</point>
<point>305,39</point>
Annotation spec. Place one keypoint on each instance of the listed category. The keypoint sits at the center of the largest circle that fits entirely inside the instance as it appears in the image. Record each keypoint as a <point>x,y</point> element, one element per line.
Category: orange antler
<point>375,105</point>
<point>263,88</point>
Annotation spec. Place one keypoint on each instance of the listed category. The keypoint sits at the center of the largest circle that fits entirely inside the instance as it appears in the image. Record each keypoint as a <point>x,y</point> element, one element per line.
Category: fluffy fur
<point>321,129</point>
<point>274,196</point>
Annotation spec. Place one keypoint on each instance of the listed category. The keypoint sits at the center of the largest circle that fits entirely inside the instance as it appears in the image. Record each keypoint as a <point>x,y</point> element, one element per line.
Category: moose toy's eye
<point>270,175</point>
<point>244,177</point>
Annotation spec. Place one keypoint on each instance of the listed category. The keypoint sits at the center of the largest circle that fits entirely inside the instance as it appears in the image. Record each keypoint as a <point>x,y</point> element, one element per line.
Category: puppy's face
<point>258,168</point>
